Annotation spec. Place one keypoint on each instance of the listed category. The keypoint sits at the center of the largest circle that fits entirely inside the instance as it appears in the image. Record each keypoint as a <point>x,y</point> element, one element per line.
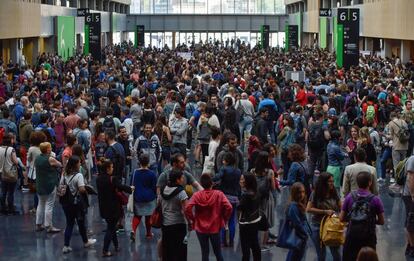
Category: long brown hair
<point>295,196</point>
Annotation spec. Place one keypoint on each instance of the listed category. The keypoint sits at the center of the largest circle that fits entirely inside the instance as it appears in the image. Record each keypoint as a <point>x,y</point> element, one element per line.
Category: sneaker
<point>53,230</point>
<point>25,189</point>
<point>380,179</point>
<point>265,249</point>
<point>90,242</point>
<point>39,228</point>
<point>66,249</point>
<point>392,180</point>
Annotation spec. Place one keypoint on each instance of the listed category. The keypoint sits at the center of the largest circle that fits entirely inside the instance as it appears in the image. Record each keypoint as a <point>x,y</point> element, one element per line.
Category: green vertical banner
<point>300,29</point>
<point>323,32</point>
<point>86,46</point>
<point>65,26</point>
<point>334,33</point>
<point>340,45</point>
<point>286,37</point>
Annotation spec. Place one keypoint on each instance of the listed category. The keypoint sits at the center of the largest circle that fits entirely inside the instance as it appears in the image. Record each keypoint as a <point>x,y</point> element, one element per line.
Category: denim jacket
<point>298,220</point>
<point>296,174</point>
<point>335,155</point>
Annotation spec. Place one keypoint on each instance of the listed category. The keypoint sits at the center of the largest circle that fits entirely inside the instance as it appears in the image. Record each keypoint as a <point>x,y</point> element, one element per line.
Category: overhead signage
<point>82,12</point>
<point>325,12</point>
<point>348,37</point>
<point>93,35</point>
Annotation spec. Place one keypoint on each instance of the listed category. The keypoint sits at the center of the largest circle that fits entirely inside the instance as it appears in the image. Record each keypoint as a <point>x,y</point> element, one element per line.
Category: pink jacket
<point>208,210</point>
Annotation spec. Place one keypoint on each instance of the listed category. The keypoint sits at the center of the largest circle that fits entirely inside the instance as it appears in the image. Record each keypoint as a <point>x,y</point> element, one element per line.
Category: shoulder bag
<point>9,175</point>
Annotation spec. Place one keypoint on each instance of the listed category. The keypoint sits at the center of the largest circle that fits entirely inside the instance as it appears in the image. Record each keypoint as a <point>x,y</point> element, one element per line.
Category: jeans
<point>249,240</point>
<point>320,248</point>
<point>232,227</point>
<point>45,209</point>
<point>72,213</point>
<point>136,131</point>
<point>7,194</point>
<point>296,255</point>
<point>397,156</point>
<point>215,243</point>
<point>110,234</point>
<point>386,154</point>
<point>245,126</point>
<point>173,248</point>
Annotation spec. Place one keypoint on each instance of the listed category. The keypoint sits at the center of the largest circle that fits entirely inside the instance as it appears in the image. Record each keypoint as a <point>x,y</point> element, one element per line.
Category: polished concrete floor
<point>19,241</point>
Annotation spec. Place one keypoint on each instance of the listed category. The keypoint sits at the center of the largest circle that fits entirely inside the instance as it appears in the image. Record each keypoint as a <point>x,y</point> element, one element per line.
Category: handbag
<point>130,204</point>
<point>11,174</point>
<point>156,217</point>
<point>122,198</point>
<point>287,237</point>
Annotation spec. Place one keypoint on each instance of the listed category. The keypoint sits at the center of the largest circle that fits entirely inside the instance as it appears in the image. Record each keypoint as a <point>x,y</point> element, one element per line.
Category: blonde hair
<point>44,146</point>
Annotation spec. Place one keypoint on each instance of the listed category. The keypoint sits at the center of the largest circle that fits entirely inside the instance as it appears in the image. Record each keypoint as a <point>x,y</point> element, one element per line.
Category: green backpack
<point>400,175</point>
<point>370,114</point>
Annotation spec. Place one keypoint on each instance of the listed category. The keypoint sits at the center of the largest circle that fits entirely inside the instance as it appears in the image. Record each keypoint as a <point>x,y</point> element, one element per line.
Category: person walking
<point>76,209</point>
<point>110,207</point>
<point>145,194</point>
<point>46,181</point>
<point>209,210</point>
<point>324,201</point>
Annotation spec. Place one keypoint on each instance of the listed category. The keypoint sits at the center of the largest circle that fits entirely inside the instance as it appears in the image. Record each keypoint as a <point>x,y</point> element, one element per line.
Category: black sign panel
<point>293,36</point>
<point>140,35</point>
<point>93,21</point>
<point>265,35</point>
<point>349,19</point>
<point>82,11</point>
<point>325,12</point>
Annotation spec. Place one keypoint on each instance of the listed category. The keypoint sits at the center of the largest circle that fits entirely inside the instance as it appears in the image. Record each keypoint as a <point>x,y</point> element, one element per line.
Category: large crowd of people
<point>206,142</point>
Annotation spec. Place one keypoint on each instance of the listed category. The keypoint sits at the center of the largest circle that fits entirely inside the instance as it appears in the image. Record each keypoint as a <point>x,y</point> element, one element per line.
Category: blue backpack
<point>288,140</point>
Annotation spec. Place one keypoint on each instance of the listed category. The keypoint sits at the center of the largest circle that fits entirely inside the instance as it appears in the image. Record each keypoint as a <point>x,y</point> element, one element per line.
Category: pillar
<point>84,4</point>
<point>369,44</point>
<point>405,51</point>
<point>386,50</point>
<point>15,52</point>
<point>173,40</point>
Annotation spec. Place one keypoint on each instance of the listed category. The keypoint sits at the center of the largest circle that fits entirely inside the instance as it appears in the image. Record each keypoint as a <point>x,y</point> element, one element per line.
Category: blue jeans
<point>321,249</point>
<point>215,243</point>
<point>232,227</point>
<point>386,154</point>
<point>245,125</point>
<point>296,255</point>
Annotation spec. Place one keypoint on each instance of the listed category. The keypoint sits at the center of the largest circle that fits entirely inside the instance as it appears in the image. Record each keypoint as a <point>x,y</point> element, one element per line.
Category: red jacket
<point>208,210</point>
<point>301,98</point>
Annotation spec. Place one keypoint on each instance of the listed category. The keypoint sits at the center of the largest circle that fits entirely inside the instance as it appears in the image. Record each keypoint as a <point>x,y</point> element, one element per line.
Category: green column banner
<point>334,33</point>
<point>323,32</point>
<point>86,46</point>
<point>340,46</point>
<point>65,36</point>
<point>299,23</point>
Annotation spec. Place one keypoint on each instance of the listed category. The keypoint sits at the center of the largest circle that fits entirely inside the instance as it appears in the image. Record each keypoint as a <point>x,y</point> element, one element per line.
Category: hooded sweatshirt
<point>211,210</point>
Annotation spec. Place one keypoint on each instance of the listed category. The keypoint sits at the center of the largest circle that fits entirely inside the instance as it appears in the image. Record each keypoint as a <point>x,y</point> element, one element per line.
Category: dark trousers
<point>315,161</point>
<point>173,248</point>
<point>354,244</point>
<point>205,248</point>
<point>72,213</point>
<point>180,147</point>
<point>286,163</point>
<point>7,194</point>
<point>110,234</point>
<point>204,151</point>
<point>189,138</point>
<point>249,240</point>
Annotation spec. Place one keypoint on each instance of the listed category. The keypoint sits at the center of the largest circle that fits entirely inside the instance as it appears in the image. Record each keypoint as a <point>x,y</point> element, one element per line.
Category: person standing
<point>145,194</point>
<point>174,226</point>
<point>408,199</point>
<point>363,211</point>
<point>400,142</point>
<point>246,113</point>
<point>208,211</point>
<point>149,143</point>
<point>296,215</point>
<point>352,171</point>
<point>109,205</point>
<point>75,210</point>
<point>324,201</point>
<point>178,128</point>
<point>8,159</point>
<point>115,152</point>
<point>249,217</point>
<point>335,157</point>
<point>46,182</point>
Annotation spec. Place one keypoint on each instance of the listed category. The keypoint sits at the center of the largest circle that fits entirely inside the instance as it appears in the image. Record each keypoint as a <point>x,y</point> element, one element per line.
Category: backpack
<point>316,136</point>
<point>273,113</point>
<point>331,231</point>
<point>108,125</point>
<point>2,132</point>
<point>65,195</point>
<point>361,217</point>
<point>400,174</point>
<point>403,133</point>
<point>119,162</point>
<point>263,186</point>
<point>298,126</point>
<point>129,89</point>
<point>288,140</point>
<point>343,119</point>
<point>370,113</point>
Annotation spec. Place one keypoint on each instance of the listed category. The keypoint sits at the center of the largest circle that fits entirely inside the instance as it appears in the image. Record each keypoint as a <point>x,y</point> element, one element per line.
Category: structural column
<point>369,44</point>
<point>386,50</point>
<point>405,51</point>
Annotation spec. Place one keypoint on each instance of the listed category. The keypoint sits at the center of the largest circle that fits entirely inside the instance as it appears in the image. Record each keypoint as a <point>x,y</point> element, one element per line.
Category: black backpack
<point>108,124</point>
<point>362,217</point>
<point>118,161</point>
<point>316,136</point>
<point>65,195</point>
